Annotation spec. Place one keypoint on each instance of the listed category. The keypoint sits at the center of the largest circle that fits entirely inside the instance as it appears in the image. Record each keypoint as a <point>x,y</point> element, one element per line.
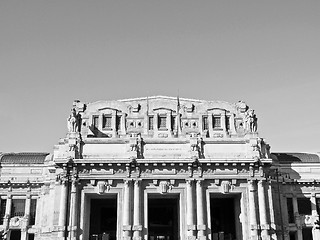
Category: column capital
<point>137,182</point>
<point>252,184</point>
<point>127,182</point>
<point>189,181</point>
<point>199,182</point>
<point>262,182</point>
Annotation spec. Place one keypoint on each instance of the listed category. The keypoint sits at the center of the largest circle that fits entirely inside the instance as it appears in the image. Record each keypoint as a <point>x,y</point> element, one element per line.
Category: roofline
<point>161,97</point>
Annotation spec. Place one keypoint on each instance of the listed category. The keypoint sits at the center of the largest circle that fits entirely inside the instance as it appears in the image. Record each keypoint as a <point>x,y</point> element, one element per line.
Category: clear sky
<point>266,53</point>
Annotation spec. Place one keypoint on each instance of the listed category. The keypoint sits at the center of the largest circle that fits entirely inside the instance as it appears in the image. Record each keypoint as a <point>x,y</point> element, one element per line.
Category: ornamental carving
<point>164,186</point>
<point>225,186</point>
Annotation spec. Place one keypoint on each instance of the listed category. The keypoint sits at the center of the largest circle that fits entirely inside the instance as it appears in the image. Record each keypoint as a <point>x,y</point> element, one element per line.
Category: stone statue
<point>73,121</point>
<point>250,121</point>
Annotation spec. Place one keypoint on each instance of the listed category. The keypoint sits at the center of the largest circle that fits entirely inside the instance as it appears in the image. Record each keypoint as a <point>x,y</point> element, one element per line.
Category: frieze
<point>95,171</point>
<point>164,172</point>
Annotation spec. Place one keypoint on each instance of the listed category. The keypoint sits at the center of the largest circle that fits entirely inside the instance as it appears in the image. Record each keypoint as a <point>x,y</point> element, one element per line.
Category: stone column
<point>123,124</point>
<point>285,219</point>
<point>24,228</point>
<point>254,233</point>
<point>223,122</point>
<point>114,123</point>
<point>126,210</point>
<point>191,226</point>
<point>201,226</point>
<point>297,217</point>
<point>272,204</point>
<point>27,209</point>
<point>315,231</point>
<point>63,208</point>
<point>8,212</point>
<point>210,124</point>
<point>137,227</point>
<point>73,209</point>
<point>263,210</point>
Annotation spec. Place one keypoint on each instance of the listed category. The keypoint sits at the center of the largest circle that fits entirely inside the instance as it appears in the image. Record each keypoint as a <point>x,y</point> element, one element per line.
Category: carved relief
<point>104,186</point>
<point>226,186</point>
<point>165,186</point>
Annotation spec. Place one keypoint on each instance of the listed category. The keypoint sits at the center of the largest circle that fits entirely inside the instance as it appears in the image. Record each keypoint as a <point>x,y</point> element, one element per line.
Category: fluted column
<point>254,233</point>
<point>73,209</point>
<point>201,225</point>
<point>126,210</point>
<point>191,226</point>
<point>263,210</point>
<point>137,227</point>
<point>63,208</point>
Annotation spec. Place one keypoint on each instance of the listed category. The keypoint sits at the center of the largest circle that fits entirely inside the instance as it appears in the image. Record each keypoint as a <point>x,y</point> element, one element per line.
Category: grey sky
<point>263,52</point>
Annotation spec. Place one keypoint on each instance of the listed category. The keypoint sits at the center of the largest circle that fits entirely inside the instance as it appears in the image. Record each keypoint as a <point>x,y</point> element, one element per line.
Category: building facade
<point>160,168</point>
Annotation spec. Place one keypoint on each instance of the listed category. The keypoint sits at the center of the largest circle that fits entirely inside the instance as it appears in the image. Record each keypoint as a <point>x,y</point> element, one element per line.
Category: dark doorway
<point>103,219</point>
<point>15,234</point>
<point>307,233</point>
<point>163,219</point>
<point>222,212</point>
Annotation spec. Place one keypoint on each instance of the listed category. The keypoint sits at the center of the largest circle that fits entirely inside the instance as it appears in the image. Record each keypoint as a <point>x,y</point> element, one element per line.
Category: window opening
<point>216,122</point>
<point>150,123</point>
<point>162,122</point>
<point>290,210</point>
<point>33,208</point>
<point>106,123</point>
<point>228,122</point>
<point>18,207</point>
<point>95,121</point>
<point>304,206</point>
<point>2,209</point>
<point>205,123</point>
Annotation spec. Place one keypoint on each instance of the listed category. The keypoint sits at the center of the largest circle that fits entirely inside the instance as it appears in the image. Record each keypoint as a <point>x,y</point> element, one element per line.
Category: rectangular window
<point>3,205</point>
<point>290,210</point>
<point>318,205</point>
<point>162,122</point>
<point>228,122</point>
<point>18,207</point>
<point>216,122</point>
<point>106,123</point>
<point>304,206</point>
<point>118,122</point>
<point>150,123</point>
<point>173,123</point>
<point>33,210</point>
<point>205,124</point>
<point>95,121</point>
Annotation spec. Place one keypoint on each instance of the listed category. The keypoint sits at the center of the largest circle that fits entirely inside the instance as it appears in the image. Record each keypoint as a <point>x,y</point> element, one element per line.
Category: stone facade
<point>160,168</point>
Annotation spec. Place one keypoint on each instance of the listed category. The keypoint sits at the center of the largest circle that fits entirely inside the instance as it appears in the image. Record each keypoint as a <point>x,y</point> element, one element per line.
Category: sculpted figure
<point>251,121</point>
<point>73,121</point>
